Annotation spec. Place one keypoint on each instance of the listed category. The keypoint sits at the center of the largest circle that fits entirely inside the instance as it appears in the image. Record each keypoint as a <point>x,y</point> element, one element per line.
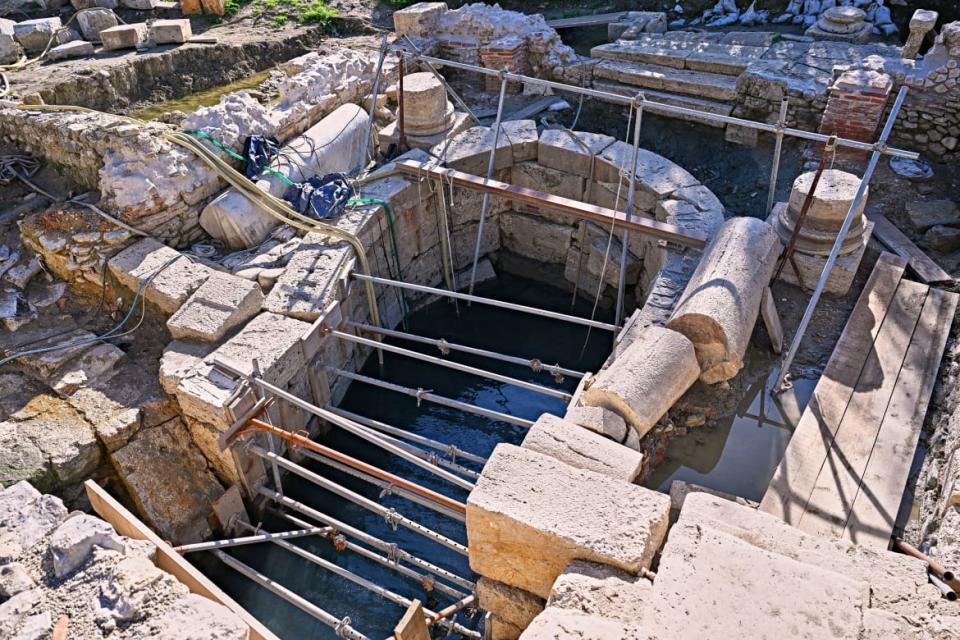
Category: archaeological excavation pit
<point>486,328</point>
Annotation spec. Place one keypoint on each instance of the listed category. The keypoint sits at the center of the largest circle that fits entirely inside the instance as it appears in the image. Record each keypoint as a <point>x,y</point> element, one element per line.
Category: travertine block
<point>174,277</point>
<point>559,150</point>
<point>530,515</point>
<point>125,36</point>
<point>605,422</point>
<point>272,339</point>
<point>220,304</point>
<point>563,624</point>
<point>582,448</point>
<point>420,20</point>
<point>599,590</point>
<point>514,608</point>
<point>170,31</point>
<point>94,20</point>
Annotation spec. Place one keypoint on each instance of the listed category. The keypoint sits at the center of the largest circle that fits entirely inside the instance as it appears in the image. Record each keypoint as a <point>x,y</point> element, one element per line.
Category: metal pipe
<point>491,162</point>
<point>553,315</point>
<point>427,582</point>
<point>373,101</point>
<point>402,139</point>
<point>945,589</point>
<point>387,488</point>
<point>451,450</point>
<point>369,585</point>
<point>934,566</point>
<point>342,627</point>
<point>254,539</point>
<point>390,515</point>
<point>365,537</point>
<point>666,108</point>
<point>416,355</point>
<point>271,443</point>
<point>625,248</point>
<point>841,236</point>
<point>360,465</point>
<point>535,364</point>
<point>777,149</point>
<point>356,429</point>
<point>422,394</point>
<point>450,610</point>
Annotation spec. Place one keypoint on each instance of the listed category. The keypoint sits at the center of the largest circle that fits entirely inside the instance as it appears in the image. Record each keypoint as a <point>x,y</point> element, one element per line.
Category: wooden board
<point>840,474</point>
<point>639,224</point>
<point>925,268</point>
<point>793,481</point>
<point>127,524</point>
<point>413,624</point>
<point>771,320</point>
<point>875,507</point>
<point>586,21</point>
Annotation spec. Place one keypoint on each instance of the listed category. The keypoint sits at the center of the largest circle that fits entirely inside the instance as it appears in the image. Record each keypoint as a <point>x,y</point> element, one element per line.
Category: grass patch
<point>278,13</point>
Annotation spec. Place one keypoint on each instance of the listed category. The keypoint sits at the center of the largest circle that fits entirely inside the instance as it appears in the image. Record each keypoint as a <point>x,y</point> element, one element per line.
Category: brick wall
<point>855,108</point>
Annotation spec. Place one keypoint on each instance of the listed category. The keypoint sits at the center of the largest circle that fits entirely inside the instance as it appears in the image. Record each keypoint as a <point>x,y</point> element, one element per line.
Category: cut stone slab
<point>221,303</point>
<point>179,359</point>
<point>582,448</point>
<point>646,379</point>
<point>421,19</point>
<point>34,35</point>
<point>205,619</point>
<point>61,433</point>
<point>75,49</point>
<point>470,151</point>
<point>523,138</point>
<point>27,516</point>
<point>177,277</point>
<point>535,238</point>
<point>10,49</point>
<point>513,607</point>
<point>125,36</point>
<point>178,510</point>
<point>96,364</point>
<point>48,364</point>
<point>571,154</point>
<point>605,422</point>
<point>530,515</point>
<point>564,624</point>
<point>94,20</point>
<point>599,590</point>
<point>926,214</point>
<point>170,31</point>
<point>73,541</point>
<point>309,282</point>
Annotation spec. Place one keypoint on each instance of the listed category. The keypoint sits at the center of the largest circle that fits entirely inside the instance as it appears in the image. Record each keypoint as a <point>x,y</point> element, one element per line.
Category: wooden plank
<point>921,264</point>
<point>875,507</point>
<point>127,524</point>
<point>839,480</point>
<point>586,21</point>
<point>413,624</point>
<point>771,320</point>
<point>639,224</point>
<point>793,481</point>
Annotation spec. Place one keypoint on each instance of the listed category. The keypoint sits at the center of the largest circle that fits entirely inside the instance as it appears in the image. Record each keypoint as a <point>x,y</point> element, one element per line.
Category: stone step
<point>672,99</point>
<point>715,57</point>
<point>651,76</point>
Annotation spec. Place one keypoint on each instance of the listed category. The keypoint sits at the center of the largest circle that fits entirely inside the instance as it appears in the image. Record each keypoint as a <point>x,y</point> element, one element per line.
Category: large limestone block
<point>179,360</point>
<point>124,36</point>
<point>309,282</point>
<point>221,303</point>
<point>646,379</point>
<point>170,31</point>
<point>470,151</point>
<point>599,590</point>
<point>10,49</point>
<point>167,277</point>
<point>530,515</point>
<point>564,624</point>
<point>720,304</point>
<point>514,608</point>
<point>94,20</point>
<point>571,153</point>
<point>337,143</point>
<point>272,339</point>
<point>34,35</point>
<point>421,19</point>
<point>605,422</point>
<point>582,448</point>
<point>532,237</point>
<point>168,480</point>
<point>26,517</point>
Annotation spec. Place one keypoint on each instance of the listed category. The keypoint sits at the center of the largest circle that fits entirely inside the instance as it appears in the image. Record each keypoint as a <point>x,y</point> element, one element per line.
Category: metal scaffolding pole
<point>491,162</point>
<point>625,247</point>
<point>392,517</point>
<point>440,362</point>
<point>386,487</point>
<point>841,236</point>
<point>422,394</point>
<point>254,539</point>
<point>369,585</point>
<point>667,108</point>
<point>342,626</point>
<point>553,315</point>
<point>449,449</point>
<point>392,549</point>
<point>777,149</point>
<point>358,430</point>
<point>535,364</point>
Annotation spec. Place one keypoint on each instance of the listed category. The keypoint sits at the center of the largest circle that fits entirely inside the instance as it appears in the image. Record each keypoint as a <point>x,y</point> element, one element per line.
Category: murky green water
<point>206,98</point>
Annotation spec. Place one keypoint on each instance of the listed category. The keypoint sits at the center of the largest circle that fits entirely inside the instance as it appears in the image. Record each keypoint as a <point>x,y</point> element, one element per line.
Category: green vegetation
<point>279,12</point>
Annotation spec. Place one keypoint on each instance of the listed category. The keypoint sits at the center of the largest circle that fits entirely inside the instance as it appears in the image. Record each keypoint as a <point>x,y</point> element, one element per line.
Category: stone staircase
<point>684,69</point>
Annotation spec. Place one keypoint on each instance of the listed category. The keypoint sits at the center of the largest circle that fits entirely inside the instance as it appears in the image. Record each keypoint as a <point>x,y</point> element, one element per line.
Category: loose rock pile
<point>876,15</point>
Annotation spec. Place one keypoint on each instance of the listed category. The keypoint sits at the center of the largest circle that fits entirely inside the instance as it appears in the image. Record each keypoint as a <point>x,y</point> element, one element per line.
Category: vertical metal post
<point>625,249</point>
<point>490,164</point>
<point>373,99</point>
<point>878,150</point>
<point>402,138</point>
<point>778,147</point>
<point>271,443</point>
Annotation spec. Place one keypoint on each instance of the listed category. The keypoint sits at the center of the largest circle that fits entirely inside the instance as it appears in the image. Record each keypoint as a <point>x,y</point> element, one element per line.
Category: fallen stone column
<point>334,144</point>
<point>646,379</point>
<point>580,447</point>
<point>720,304</point>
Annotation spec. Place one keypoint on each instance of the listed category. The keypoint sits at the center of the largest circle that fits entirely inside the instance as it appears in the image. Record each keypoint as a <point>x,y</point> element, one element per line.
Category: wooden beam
<point>413,624</point>
<point>771,320</point>
<point>127,524</point>
<point>925,268</point>
<point>603,215</point>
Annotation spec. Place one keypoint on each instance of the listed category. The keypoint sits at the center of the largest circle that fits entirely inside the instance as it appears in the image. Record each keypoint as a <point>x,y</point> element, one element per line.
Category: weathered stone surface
<point>176,510</point>
<point>579,447</point>
<point>924,214</point>
<point>97,363</point>
<point>74,49</point>
<point>679,490</point>
<point>70,345</point>
<point>646,378</point>
<point>534,238</point>
<point>943,239</point>
<point>94,20</point>
<point>66,440</point>
<point>470,151</point>
<point>530,515</point>
<point>564,624</point>
<point>272,339</point>
<point>421,19</point>
<point>523,138</point>
<point>205,619</point>
<point>125,36</point>
<point>174,277</point>
<point>221,303</point>
<point>72,542</point>
<point>15,612</point>
<point>533,175</point>
<point>127,593</point>
<point>10,49</point>
<point>170,31</point>
<point>26,517</point>
<point>117,430</point>
<point>721,302</point>
<point>514,608</point>
<point>34,35</point>
<point>605,422</point>
<point>599,590</point>
<point>14,579</point>
<point>178,360</point>
<point>309,282</point>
